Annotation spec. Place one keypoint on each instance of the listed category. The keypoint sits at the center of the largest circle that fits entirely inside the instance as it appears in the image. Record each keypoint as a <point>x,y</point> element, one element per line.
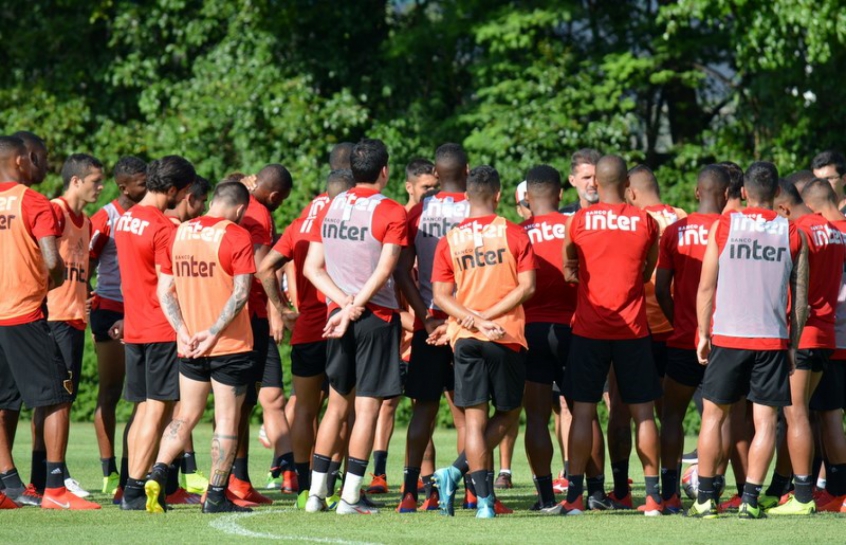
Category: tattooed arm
<point>53,261</point>
<point>799,296</point>
<point>204,341</point>
<point>166,292</point>
<point>266,272</point>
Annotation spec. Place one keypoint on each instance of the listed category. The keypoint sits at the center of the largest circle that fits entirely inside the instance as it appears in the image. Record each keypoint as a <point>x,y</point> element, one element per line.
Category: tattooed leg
<point>227,408</point>
<point>193,395</point>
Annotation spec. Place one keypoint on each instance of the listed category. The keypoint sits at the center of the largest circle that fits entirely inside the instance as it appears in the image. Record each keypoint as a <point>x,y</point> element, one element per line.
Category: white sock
<point>505,471</point>
<point>319,484</point>
<point>352,487</point>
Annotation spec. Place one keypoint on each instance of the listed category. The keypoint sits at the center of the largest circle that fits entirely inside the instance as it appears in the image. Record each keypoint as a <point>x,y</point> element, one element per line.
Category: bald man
<point>610,250</point>
<point>37,150</point>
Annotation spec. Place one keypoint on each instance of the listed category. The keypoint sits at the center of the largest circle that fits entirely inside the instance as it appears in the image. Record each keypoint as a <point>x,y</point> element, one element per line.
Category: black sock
<point>804,488</point>
<point>461,463</point>
<point>134,488</point>
<point>750,494</point>
<point>566,467</point>
<point>490,481</point>
<point>65,472</point>
<point>38,471</point>
<point>124,472</point>
<point>303,477</point>
<point>652,487</point>
<point>480,481</point>
<point>55,474</point>
<point>576,489</point>
<point>706,489</point>
<point>815,469</point>
<point>835,480</point>
<point>719,485</point>
<point>356,466</point>
<point>380,461</point>
<point>172,484</point>
<point>241,469</point>
<point>283,462</point>
<point>468,484</point>
<point>778,485</point>
<point>544,484</point>
<point>669,482</point>
<point>108,465</point>
<point>620,472</point>
<point>427,483</point>
<point>322,464</point>
<point>740,484</point>
<point>11,479</point>
<point>215,494</point>
<point>411,474</point>
<point>334,470</point>
<point>188,463</point>
<point>596,486</point>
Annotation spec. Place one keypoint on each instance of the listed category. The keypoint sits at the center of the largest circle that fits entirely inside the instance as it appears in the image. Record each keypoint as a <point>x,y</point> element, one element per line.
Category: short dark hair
<point>544,178</point>
<point>277,176</point>
<point>819,190</point>
<point>483,182</point>
<point>830,157</point>
<point>339,180</point>
<point>129,166</point>
<point>584,156</point>
<point>200,187</point>
<point>169,171</point>
<point>367,160</point>
<point>231,193</point>
<point>451,154</point>
<point>30,139</point>
<point>419,167</point>
<point>339,157</point>
<point>650,177</point>
<point>233,177</point>
<point>12,145</point>
<point>761,181</point>
<point>735,174</point>
<point>788,192</point>
<point>717,173</point>
<point>78,165</point>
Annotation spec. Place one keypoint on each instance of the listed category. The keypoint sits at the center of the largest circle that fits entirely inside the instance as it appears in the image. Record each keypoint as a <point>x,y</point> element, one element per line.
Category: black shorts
<point>830,394</point>
<point>272,374</point>
<point>814,360</point>
<point>430,370</point>
<point>261,344</point>
<point>763,376</point>
<point>70,344</point>
<point>488,371</point>
<point>549,346</point>
<point>29,372</point>
<point>152,372</point>
<point>229,369</point>
<point>683,367</point>
<point>591,359</point>
<point>308,359</point>
<point>659,357</point>
<point>367,358</point>
<point>102,321</point>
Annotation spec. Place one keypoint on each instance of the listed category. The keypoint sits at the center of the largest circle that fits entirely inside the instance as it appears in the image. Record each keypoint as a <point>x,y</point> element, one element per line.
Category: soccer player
<point>308,346</point>
<point>826,256</point>
<point>548,316</point>
<point>203,291</point>
<point>484,271</point>
<point>522,205</point>
<point>339,157</point>
<point>735,190</point>
<point>831,166</point>
<point>364,327</point>
<point>194,203</point>
<point>67,315</point>
<point>130,174</point>
<point>37,151</point>
<point>753,260</point>
<point>610,251</point>
<point>430,370</point>
<point>676,284</point>
<point>583,178</point>
<point>273,186</point>
<point>420,179</point>
<point>143,236</point>
<point>29,373</point>
<point>829,399</point>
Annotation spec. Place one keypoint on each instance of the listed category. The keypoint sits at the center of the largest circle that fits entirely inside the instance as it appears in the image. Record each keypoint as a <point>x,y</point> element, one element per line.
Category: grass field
<point>280,522</point>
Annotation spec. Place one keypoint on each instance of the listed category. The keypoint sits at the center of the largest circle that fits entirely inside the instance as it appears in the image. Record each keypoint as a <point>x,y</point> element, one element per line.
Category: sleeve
<point>721,232</point>
<point>163,244</point>
<point>796,241</point>
<point>60,217</point>
<point>236,252</point>
<point>414,216</point>
<point>285,244</point>
<point>390,223</point>
<point>442,270</point>
<point>313,233</point>
<point>100,233</point>
<point>521,248</point>
<point>259,228</point>
<point>652,229</point>
<point>40,217</point>
<point>666,249</point>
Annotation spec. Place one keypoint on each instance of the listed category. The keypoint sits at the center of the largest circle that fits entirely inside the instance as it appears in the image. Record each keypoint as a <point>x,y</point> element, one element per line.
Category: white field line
<point>230,524</point>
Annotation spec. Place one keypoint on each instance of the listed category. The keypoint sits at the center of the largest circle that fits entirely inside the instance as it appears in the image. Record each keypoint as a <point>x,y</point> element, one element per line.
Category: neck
<point>10,175</point>
<point>156,200</point>
<point>831,213</point>
<point>758,204</point>
<point>370,185</point>
<point>477,210</point>
<point>180,212</point>
<point>648,200</point>
<point>709,206</point>
<point>125,202</point>
<point>612,197</point>
<point>543,208</point>
<point>75,203</point>
<point>453,186</point>
<point>799,210</point>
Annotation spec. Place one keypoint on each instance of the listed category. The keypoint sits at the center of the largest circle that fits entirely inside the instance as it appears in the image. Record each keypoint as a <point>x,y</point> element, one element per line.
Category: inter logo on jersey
<point>605,220</point>
<point>539,232</point>
<point>195,231</point>
<point>440,216</point>
<point>342,231</point>
<point>754,250</point>
<point>693,235</point>
<point>479,258</point>
<point>128,224</point>
<point>189,266</point>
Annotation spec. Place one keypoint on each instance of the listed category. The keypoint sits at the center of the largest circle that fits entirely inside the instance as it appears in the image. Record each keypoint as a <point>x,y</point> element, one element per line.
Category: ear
<point>628,181</point>
<point>561,194</point>
<point>742,193</point>
<point>698,196</point>
<point>783,209</point>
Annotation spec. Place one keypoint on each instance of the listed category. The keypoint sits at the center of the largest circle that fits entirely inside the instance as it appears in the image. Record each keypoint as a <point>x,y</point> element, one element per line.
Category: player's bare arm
<point>166,291</point>
<point>799,295</point>
<point>314,269</point>
<point>571,256</point>
<point>267,274</point>
<point>663,293</point>
<point>204,341</point>
<point>52,260</point>
<point>406,284</point>
<point>651,261</point>
<point>705,295</point>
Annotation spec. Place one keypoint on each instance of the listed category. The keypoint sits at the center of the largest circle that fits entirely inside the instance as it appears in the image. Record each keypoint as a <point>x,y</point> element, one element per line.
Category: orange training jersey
<point>612,242</point>
<point>661,328</point>
<point>207,254</point>
<point>483,256</point>
<point>67,302</point>
<point>25,217</point>
<point>554,300</point>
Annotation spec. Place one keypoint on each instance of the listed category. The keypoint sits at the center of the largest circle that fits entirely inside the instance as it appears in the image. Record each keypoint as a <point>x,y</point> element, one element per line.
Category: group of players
<point>617,295</point>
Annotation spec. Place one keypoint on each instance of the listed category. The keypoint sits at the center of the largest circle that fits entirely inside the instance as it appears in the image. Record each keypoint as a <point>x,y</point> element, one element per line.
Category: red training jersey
<point>259,223</point>
<point>554,300</point>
